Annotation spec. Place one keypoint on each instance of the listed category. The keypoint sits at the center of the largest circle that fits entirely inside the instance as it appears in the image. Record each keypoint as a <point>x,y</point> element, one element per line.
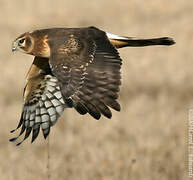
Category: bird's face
<point>34,43</point>
<point>23,43</point>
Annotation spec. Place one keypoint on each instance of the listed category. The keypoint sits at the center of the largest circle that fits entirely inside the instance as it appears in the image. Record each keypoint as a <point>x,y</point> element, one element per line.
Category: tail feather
<point>120,42</point>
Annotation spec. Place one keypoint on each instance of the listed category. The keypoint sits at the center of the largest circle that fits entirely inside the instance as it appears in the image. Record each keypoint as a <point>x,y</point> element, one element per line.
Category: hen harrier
<point>73,67</point>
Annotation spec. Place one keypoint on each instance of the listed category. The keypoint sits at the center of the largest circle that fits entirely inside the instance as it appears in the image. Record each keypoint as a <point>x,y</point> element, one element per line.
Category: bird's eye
<point>21,41</point>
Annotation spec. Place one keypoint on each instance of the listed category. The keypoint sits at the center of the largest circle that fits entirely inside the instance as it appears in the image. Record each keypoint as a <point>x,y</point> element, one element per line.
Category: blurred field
<point>147,139</point>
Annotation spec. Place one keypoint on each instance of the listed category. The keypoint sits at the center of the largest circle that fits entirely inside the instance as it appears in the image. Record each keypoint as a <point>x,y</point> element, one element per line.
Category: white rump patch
<point>113,36</point>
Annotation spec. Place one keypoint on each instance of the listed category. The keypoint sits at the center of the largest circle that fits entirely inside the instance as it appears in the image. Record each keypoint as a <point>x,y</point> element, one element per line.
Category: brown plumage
<point>73,67</point>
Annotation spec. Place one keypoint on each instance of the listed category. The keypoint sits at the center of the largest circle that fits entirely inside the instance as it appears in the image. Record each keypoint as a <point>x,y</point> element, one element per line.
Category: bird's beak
<point>14,46</point>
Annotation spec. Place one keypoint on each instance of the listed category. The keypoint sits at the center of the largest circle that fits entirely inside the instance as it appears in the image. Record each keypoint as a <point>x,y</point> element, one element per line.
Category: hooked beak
<point>14,46</point>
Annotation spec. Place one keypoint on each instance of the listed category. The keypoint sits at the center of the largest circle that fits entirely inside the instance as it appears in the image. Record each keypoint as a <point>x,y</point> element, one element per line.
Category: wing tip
<point>13,139</point>
<point>19,143</point>
<point>12,131</point>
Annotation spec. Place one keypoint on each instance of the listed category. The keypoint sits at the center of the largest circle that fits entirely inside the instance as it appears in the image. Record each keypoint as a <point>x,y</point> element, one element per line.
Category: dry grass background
<point>147,139</point>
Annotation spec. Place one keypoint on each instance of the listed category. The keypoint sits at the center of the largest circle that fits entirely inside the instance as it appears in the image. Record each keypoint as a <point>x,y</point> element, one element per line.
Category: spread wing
<point>43,102</point>
<point>87,67</point>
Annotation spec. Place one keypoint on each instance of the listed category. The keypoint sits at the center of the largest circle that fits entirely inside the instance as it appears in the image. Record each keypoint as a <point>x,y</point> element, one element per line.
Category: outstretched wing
<point>87,67</point>
<point>43,102</point>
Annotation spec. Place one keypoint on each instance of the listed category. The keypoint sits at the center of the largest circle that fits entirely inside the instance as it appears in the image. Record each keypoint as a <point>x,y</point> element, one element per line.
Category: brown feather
<point>88,71</point>
<point>35,75</point>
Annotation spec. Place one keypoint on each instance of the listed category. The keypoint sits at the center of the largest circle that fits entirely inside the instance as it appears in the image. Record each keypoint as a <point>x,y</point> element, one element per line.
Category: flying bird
<point>73,68</point>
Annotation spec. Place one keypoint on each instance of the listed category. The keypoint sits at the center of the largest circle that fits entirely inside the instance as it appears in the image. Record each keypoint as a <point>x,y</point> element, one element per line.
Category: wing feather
<point>89,73</point>
<point>43,102</point>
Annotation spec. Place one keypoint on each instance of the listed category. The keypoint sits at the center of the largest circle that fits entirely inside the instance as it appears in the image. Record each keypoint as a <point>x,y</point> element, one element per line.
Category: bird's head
<point>34,43</point>
<point>23,43</point>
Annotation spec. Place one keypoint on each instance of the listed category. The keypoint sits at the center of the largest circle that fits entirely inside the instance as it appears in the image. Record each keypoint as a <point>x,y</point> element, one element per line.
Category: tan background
<point>147,139</point>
